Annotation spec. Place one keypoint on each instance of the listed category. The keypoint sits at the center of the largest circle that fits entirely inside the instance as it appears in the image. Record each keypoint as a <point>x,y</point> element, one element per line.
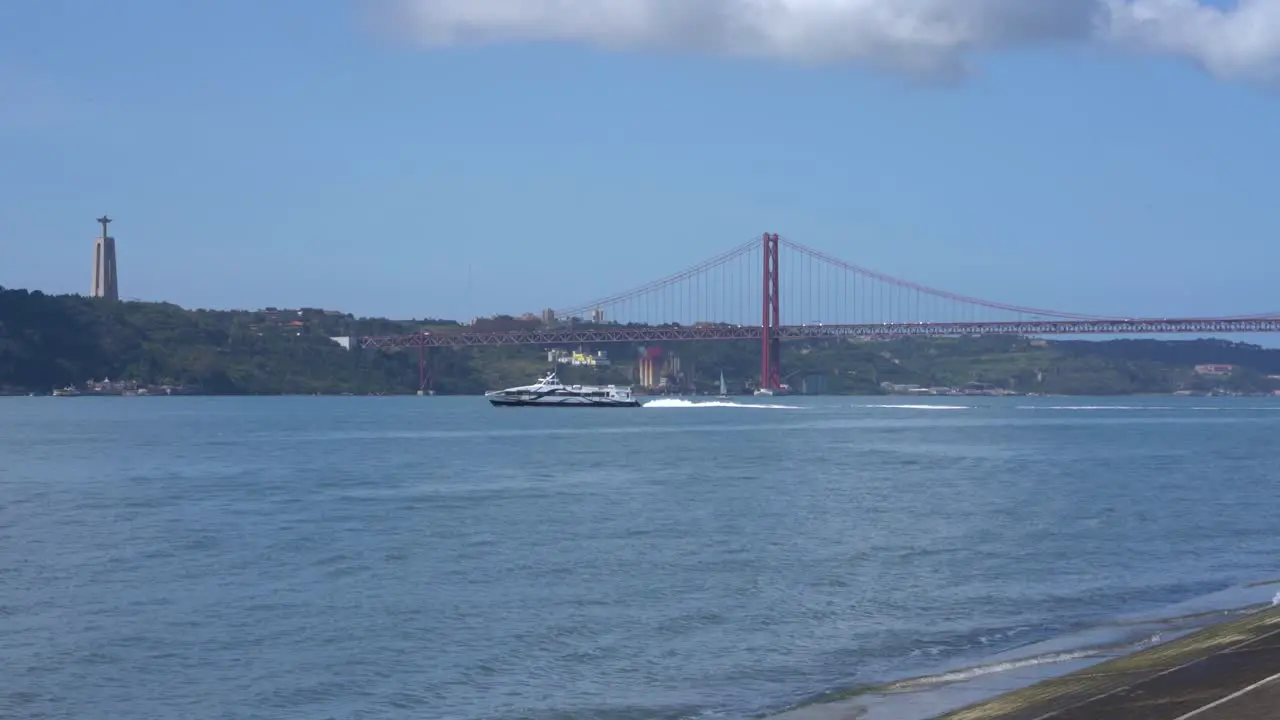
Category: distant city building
<point>578,358</point>
<point>548,317</point>
<point>105,279</point>
<point>597,316</point>
<point>656,368</point>
<point>281,321</point>
<point>1215,369</point>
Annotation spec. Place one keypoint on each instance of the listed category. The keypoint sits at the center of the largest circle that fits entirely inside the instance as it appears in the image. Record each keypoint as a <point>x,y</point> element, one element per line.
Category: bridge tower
<point>424,373</point>
<point>770,321</point>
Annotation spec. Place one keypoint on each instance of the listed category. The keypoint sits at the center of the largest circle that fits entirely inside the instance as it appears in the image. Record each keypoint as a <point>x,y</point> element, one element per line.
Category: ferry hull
<point>550,392</point>
<point>563,403</point>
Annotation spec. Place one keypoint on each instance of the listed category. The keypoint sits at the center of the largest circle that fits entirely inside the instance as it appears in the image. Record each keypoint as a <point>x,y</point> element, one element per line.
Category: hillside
<point>51,341</point>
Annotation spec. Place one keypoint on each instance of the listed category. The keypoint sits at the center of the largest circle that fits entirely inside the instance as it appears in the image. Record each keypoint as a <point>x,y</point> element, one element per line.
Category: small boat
<point>550,392</point>
<point>724,392</point>
<point>782,389</point>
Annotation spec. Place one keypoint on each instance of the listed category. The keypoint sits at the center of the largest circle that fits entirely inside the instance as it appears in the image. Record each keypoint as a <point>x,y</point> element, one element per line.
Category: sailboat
<point>724,392</point>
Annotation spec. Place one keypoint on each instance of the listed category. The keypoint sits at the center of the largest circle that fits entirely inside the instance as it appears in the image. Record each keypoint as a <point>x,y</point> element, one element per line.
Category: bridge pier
<point>770,320</point>
<point>424,377</point>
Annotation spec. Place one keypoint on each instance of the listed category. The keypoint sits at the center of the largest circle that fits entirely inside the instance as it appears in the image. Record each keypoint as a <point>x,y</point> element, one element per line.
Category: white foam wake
<point>918,406</point>
<point>680,403</point>
<point>1096,407</point>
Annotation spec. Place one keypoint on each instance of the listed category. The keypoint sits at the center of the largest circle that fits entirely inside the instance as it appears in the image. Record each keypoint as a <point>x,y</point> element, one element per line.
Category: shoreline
<point>1042,680</point>
<point>1208,671</point>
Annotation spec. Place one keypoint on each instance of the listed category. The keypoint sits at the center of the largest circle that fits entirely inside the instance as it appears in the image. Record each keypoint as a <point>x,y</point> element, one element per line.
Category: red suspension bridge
<point>739,295</point>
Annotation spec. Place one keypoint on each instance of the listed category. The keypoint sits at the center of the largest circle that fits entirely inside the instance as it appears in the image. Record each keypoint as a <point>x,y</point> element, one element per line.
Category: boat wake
<point>1103,407</point>
<point>668,403</point>
<point>917,406</point>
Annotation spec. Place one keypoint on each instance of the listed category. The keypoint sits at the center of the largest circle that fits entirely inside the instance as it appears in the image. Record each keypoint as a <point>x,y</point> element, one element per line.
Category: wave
<point>969,673</point>
<point>916,697</point>
<point>880,695</point>
<point>669,403</point>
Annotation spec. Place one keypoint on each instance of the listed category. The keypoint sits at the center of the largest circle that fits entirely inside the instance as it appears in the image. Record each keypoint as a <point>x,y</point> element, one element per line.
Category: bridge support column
<point>770,350</point>
<point>424,377</point>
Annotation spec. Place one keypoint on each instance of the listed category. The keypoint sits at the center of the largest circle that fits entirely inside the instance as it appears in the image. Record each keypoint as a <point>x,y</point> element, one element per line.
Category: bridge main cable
<point>667,281</point>
<point>899,282</point>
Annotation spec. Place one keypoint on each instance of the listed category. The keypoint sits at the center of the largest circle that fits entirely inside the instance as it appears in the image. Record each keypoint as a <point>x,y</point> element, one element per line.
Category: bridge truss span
<point>1161,326</point>
<point>550,338</point>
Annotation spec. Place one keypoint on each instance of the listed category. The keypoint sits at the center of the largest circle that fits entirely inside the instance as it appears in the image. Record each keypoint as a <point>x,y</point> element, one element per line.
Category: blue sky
<point>299,152</point>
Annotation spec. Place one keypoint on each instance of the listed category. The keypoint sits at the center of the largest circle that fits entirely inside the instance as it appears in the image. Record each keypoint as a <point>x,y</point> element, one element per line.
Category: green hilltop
<point>52,341</point>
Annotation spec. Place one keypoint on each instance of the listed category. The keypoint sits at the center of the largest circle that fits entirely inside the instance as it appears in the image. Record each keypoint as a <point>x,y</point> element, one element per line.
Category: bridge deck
<point>1229,671</point>
<point>570,336</point>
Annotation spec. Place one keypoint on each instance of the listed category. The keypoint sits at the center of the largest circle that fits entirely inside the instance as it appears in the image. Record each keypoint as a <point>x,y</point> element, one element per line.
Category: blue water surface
<point>435,557</point>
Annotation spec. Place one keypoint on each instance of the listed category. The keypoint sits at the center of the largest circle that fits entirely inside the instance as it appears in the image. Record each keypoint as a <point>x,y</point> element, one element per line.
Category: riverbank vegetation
<point>49,341</point>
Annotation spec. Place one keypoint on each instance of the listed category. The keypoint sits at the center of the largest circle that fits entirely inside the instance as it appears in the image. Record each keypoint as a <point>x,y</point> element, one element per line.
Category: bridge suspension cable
<point>808,287</point>
<point>816,287</point>
<point>662,283</point>
<point>808,294</point>
<point>908,285</point>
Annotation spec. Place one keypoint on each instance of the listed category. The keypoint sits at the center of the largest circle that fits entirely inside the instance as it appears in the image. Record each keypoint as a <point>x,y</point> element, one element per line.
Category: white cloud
<point>921,37</point>
<point>1239,41</point>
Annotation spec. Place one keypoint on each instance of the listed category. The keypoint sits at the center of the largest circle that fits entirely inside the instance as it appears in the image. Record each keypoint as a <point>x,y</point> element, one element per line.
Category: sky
<point>456,158</point>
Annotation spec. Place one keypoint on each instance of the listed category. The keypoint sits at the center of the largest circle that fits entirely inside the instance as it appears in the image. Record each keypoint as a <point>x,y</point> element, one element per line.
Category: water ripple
<point>210,558</point>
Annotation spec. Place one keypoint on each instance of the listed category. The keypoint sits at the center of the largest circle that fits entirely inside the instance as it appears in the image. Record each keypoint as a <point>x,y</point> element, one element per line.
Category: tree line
<point>51,341</point>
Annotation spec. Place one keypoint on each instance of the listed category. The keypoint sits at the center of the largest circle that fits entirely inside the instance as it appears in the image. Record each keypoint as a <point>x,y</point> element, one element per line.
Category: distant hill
<point>49,341</point>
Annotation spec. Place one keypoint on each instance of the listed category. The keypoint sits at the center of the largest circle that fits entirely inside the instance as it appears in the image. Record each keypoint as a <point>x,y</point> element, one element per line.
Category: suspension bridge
<point>749,293</point>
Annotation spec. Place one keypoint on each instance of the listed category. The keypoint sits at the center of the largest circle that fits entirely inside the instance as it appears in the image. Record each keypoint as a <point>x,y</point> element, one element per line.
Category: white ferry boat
<point>550,392</point>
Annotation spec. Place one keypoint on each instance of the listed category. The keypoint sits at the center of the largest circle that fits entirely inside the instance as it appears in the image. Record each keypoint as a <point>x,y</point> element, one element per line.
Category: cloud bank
<point>1232,40</point>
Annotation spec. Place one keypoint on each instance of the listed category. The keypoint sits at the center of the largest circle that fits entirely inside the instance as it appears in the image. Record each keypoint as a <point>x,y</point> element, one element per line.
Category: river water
<point>438,558</point>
